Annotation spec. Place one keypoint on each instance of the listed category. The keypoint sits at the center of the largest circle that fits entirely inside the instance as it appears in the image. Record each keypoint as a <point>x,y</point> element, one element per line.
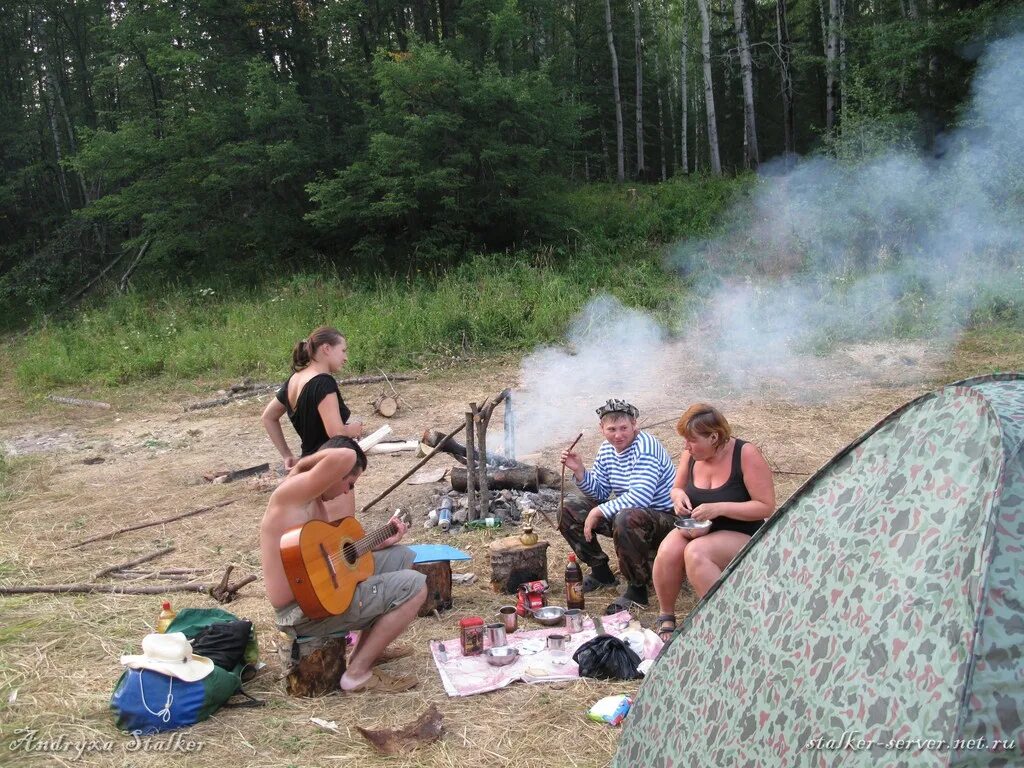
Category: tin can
<point>444,518</point>
<point>472,629</point>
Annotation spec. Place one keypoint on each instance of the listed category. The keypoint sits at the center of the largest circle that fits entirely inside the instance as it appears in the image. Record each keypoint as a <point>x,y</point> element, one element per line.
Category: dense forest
<point>181,138</point>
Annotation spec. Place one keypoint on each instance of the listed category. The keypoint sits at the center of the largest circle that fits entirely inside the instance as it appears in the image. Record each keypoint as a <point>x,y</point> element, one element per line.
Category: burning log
<point>434,437</point>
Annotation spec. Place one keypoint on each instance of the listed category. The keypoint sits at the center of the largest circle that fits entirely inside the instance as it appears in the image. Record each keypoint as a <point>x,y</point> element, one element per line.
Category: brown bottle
<point>573,584</point>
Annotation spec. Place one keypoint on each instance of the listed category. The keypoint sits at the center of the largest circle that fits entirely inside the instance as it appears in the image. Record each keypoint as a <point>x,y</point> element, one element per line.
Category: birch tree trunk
<point>709,92</point>
<point>751,154</point>
<point>831,56</point>
<point>641,169</point>
<point>661,114</point>
<point>788,117</point>
<point>683,101</point>
<point>620,149</point>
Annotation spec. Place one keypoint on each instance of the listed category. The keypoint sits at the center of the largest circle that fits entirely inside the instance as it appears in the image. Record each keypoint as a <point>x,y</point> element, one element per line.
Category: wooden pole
<point>136,561</point>
<point>472,510</point>
<point>481,464</point>
<point>412,471</point>
<point>112,534</point>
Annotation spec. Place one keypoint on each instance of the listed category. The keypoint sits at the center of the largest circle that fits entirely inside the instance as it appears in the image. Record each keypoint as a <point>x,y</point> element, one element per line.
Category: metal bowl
<point>501,656</point>
<point>689,524</point>
<point>550,615</point>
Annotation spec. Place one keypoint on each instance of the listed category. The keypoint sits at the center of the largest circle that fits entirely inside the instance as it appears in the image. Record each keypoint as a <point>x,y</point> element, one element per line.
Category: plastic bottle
<point>573,584</point>
<point>444,514</point>
<point>165,618</point>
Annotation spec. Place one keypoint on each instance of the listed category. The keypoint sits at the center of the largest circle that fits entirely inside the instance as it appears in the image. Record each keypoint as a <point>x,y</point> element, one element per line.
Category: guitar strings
<point>377,537</point>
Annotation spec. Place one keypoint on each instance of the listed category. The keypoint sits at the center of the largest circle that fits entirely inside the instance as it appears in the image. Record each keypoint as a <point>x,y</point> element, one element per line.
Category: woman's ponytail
<point>301,356</point>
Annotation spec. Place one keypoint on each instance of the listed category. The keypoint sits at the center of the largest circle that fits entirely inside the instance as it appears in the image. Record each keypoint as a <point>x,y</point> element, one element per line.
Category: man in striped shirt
<point>626,497</point>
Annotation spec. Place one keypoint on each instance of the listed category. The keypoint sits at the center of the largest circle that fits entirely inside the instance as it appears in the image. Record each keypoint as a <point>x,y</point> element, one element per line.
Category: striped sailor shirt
<point>641,476</point>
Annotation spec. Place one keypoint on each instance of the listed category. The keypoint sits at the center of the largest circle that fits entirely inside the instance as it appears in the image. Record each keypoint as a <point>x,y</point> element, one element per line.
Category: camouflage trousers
<point>636,534</point>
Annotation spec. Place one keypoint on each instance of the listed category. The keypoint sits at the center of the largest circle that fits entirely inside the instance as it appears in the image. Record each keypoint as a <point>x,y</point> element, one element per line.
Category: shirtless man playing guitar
<point>382,606</point>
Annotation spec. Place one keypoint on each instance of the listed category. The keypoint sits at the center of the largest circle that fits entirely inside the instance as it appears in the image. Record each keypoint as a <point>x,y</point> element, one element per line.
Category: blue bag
<point>148,702</point>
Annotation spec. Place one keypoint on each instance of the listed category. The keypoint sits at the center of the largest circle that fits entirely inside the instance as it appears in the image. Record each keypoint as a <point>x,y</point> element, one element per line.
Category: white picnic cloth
<point>467,675</point>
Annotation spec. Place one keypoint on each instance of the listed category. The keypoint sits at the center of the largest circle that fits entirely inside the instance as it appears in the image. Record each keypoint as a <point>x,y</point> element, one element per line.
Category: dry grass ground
<point>59,654</point>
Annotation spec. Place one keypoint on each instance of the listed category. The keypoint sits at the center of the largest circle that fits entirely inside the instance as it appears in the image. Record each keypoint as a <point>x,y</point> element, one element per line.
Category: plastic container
<point>167,615</point>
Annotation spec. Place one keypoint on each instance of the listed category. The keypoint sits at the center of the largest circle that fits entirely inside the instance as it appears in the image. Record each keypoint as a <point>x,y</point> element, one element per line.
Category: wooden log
<point>386,405</point>
<point>439,586</point>
<point>395,447</point>
<point>375,437</point>
<point>318,669</point>
<point>79,402</point>
<point>513,563</point>
<point>161,521</point>
<point>457,450</point>
<point>137,561</point>
<point>517,478</point>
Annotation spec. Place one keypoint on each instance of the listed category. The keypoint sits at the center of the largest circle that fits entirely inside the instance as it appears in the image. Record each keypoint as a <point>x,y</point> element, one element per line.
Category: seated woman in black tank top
<point>722,479</point>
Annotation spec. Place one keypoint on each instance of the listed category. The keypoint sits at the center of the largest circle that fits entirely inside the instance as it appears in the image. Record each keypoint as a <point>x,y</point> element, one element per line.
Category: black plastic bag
<point>607,658</point>
<point>223,642</point>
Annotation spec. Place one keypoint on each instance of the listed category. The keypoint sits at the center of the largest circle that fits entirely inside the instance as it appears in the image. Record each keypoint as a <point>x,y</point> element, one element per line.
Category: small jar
<point>472,628</point>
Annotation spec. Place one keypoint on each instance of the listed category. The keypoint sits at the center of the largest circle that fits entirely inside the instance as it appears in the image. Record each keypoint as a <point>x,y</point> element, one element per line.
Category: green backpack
<point>137,691</point>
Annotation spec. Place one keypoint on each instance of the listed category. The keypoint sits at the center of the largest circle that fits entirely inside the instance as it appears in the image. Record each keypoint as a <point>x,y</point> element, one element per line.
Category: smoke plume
<point>828,276</point>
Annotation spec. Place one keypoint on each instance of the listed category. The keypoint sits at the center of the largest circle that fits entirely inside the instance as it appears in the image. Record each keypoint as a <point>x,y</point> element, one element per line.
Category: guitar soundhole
<point>349,553</point>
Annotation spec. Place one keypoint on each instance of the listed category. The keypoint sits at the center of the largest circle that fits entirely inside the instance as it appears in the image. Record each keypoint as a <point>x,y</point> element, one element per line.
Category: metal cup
<point>509,618</point>
<point>496,635</point>
<point>574,620</point>
<point>557,642</point>
<point>556,645</point>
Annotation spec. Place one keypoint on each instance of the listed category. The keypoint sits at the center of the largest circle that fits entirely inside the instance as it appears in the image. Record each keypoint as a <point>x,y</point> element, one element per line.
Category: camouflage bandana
<point>617,406</point>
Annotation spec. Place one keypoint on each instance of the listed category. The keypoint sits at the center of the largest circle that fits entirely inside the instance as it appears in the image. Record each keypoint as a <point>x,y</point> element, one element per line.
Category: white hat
<point>170,654</point>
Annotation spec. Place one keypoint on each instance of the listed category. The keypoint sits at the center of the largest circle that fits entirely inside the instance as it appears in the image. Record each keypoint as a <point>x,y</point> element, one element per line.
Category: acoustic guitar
<point>324,562</point>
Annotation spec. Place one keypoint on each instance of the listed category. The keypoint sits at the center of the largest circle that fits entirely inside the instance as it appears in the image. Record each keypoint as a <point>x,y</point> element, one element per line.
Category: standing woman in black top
<point>722,479</point>
<point>311,398</point>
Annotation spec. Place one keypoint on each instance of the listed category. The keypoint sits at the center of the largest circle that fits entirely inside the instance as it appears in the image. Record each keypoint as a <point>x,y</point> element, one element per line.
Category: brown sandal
<point>382,682</point>
<point>393,653</point>
<point>666,626</point>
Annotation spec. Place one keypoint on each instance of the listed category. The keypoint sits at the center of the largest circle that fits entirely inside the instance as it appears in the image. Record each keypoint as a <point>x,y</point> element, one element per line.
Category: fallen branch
<point>375,379</point>
<point>115,589</point>
<point>78,401</point>
<point>136,561</point>
<point>244,395</point>
<point>220,593</point>
<point>225,593</point>
<point>112,534</point>
<point>236,474</point>
<point>123,285</point>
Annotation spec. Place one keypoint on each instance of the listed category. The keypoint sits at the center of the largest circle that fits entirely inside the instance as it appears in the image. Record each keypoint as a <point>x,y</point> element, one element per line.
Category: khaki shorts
<point>393,582</point>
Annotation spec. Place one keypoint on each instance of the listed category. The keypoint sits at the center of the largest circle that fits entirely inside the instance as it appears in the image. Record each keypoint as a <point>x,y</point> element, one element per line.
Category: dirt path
<point>78,472</point>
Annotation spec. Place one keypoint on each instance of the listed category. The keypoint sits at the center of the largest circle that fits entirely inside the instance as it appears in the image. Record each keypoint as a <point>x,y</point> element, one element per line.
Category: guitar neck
<point>371,541</point>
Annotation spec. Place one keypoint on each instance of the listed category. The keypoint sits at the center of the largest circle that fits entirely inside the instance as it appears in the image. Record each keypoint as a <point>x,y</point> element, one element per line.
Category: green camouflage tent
<point>876,620</point>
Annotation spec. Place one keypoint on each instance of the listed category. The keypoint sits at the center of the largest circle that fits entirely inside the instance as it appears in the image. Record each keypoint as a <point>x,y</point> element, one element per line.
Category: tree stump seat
<point>513,563</point>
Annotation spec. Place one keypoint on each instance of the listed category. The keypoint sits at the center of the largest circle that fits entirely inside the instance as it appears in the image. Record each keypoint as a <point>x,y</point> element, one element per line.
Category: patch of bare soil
<point>82,473</point>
